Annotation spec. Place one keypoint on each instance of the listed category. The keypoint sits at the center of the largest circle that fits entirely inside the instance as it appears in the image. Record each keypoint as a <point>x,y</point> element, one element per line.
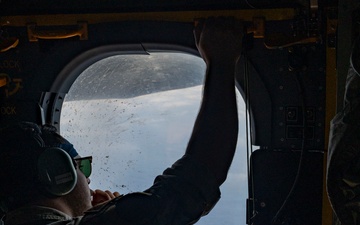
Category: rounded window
<point>134,114</point>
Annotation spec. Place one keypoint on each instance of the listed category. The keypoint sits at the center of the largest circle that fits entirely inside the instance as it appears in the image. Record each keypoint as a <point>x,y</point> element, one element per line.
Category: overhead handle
<point>35,33</point>
<point>8,43</point>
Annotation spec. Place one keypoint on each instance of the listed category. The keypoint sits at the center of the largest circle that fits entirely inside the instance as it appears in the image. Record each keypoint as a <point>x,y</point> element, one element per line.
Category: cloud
<point>133,139</point>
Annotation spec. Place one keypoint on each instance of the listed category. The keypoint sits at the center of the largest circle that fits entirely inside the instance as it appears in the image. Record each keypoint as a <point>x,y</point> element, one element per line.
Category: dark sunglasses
<point>85,165</point>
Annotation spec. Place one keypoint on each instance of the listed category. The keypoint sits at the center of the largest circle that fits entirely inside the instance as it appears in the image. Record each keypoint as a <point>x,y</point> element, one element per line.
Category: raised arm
<point>214,137</point>
<point>189,188</point>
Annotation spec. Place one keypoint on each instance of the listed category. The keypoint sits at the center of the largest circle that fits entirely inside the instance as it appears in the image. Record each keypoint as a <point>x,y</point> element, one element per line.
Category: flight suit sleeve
<point>181,195</point>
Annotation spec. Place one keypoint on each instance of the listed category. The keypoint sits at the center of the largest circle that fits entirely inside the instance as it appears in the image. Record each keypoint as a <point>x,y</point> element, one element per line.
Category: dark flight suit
<point>343,172</point>
<point>183,194</point>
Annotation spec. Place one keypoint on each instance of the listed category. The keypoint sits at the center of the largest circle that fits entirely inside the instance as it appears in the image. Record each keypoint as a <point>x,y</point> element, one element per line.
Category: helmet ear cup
<point>56,172</point>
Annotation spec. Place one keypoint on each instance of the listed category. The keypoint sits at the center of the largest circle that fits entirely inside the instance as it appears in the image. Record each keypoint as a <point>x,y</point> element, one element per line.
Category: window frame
<point>51,101</point>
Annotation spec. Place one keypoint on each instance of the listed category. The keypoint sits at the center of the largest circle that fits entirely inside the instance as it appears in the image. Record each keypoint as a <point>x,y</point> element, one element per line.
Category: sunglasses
<point>85,165</point>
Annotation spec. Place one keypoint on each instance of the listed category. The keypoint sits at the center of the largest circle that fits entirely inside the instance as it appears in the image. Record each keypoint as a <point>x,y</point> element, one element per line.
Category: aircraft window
<point>134,114</point>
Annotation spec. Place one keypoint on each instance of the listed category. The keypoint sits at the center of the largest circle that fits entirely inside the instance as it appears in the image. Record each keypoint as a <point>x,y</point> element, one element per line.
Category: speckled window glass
<point>134,114</point>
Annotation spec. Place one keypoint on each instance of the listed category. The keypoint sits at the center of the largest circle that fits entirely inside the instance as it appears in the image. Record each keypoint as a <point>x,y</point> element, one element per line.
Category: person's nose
<point>88,180</point>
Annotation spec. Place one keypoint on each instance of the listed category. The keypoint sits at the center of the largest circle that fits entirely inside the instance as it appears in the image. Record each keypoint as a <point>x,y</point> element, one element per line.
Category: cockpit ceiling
<point>17,7</point>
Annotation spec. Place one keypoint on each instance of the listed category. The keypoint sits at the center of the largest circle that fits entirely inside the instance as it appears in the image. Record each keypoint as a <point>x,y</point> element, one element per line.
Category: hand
<point>99,196</point>
<point>219,39</point>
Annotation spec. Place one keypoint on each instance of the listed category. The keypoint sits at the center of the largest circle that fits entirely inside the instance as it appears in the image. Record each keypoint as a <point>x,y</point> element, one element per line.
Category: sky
<point>134,138</point>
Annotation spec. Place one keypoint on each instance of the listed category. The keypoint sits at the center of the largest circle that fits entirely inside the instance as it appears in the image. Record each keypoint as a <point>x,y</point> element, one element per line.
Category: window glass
<point>134,114</point>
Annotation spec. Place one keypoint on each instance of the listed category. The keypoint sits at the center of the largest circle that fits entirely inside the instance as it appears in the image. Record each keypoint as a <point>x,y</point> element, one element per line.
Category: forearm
<point>214,136</point>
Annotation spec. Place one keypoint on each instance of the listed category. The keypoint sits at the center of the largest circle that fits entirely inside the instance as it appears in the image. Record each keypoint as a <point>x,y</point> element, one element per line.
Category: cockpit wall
<point>283,75</point>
